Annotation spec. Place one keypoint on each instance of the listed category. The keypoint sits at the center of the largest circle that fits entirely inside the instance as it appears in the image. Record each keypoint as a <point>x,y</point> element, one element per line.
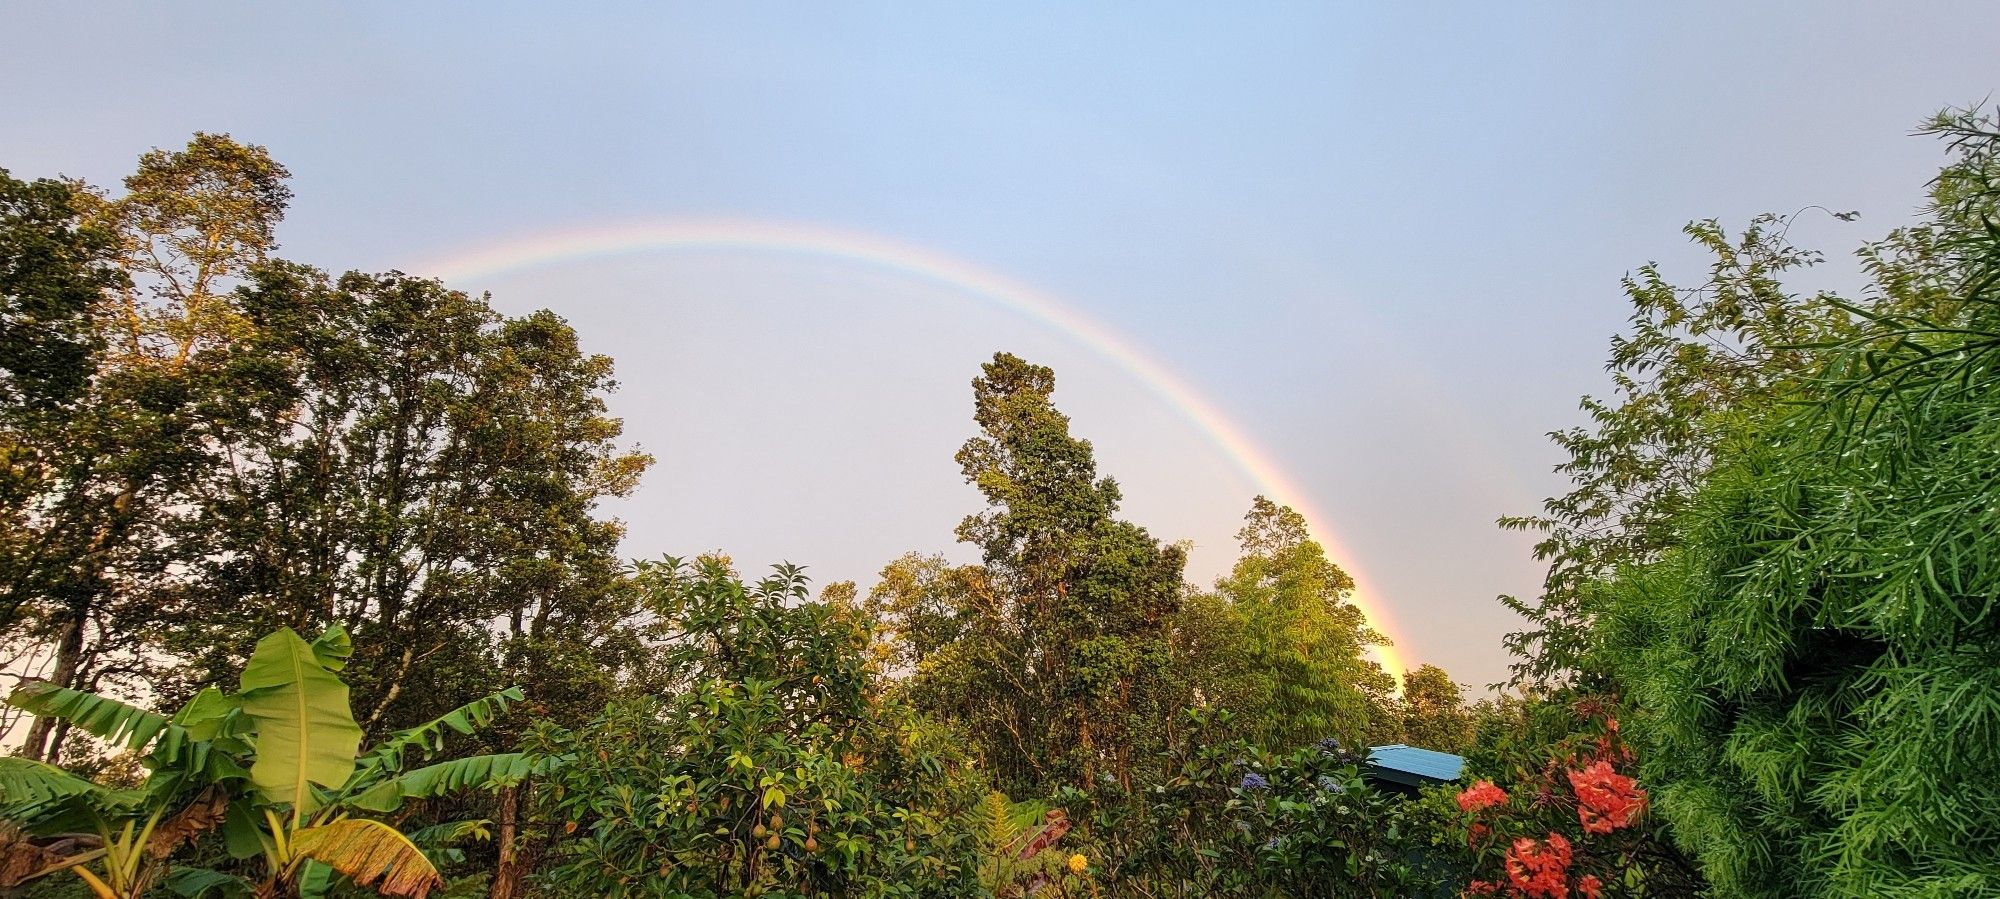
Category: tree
<point>107,473</point>
<point>54,267</point>
<point>1696,361</point>
<point>1056,655</point>
<point>1296,669</point>
<point>1433,711</point>
<point>425,473</point>
<point>770,765</point>
<point>1814,658</point>
<point>246,444</point>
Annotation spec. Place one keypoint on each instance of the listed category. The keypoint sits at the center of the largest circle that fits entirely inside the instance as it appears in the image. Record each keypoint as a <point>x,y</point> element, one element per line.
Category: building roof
<point>1412,766</point>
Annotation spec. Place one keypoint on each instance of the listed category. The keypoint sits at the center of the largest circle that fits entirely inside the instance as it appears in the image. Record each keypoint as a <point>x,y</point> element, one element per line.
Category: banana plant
<point>281,764</point>
<point>116,841</point>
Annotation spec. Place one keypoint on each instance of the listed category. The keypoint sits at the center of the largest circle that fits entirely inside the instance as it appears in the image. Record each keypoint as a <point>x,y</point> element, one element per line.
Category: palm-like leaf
<point>306,732</point>
<point>26,782</point>
<point>44,799</point>
<point>429,736</point>
<point>372,854</point>
<point>452,832</point>
<point>432,781</point>
<point>108,719</point>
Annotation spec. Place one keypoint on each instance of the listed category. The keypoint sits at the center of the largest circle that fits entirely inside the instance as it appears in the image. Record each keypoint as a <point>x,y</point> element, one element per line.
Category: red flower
<point>1588,885</point>
<point>1482,888</point>
<point>1606,800</point>
<point>1540,870</point>
<point>1481,795</point>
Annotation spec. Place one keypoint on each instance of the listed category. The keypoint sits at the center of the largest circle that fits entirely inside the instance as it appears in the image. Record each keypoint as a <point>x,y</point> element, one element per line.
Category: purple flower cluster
<point>1254,781</point>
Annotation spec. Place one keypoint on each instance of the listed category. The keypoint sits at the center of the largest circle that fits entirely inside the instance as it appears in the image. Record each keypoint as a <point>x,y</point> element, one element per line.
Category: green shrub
<point>775,771</point>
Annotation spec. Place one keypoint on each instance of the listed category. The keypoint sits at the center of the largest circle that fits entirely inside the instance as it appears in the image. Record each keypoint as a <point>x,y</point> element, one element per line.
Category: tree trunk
<point>69,654</point>
<point>508,873</point>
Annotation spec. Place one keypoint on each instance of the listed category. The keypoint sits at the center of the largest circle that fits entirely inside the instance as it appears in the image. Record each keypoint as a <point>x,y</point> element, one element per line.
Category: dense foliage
<point>1763,663</point>
<point>1792,593</point>
<point>205,443</point>
<point>276,769</point>
<point>1817,653</point>
<point>770,767</point>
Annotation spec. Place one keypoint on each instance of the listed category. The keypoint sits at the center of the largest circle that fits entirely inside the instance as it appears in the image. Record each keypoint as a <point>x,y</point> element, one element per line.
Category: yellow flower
<point>1078,864</point>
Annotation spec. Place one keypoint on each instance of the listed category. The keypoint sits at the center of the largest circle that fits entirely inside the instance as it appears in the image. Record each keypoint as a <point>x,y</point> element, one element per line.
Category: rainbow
<point>572,245</point>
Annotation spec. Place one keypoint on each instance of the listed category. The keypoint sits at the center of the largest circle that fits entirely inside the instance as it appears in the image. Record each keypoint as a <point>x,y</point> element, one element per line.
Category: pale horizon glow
<point>573,244</point>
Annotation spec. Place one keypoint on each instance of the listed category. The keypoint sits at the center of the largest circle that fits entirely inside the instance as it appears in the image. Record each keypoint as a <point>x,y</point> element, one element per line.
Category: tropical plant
<point>1818,661</point>
<point>774,767</point>
<point>1555,811</point>
<point>276,767</point>
<point>1233,820</point>
<point>1292,666</point>
<point>1019,841</point>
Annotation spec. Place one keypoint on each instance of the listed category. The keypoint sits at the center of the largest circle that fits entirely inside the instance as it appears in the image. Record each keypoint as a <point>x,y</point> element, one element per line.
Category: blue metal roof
<point>1428,764</point>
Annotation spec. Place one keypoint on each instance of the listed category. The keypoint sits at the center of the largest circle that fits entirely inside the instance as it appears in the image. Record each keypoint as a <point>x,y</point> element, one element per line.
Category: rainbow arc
<point>574,245</point>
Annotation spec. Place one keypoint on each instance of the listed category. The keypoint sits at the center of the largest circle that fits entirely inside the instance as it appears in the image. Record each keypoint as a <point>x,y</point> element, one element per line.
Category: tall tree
<point>111,471</point>
<point>1058,652</point>
<point>426,473</point>
<point>1300,662</point>
<point>204,443</point>
<point>1697,358</point>
<point>54,268</point>
<point>1433,711</point>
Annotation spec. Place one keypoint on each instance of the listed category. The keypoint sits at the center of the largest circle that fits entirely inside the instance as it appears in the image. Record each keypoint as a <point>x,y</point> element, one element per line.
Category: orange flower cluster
<point>1606,800</point>
<point>1481,795</point>
<point>1540,869</point>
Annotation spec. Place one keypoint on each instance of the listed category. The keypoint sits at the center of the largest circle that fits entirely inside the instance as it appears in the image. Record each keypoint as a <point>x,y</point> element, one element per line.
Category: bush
<point>776,770</point>
<point>1556,812</point>
<point>1235,820</point>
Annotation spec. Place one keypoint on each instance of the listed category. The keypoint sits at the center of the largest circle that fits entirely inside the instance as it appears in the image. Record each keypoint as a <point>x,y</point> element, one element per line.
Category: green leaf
<point>204,715</point>
<point>315,880</point>
<point>333,647</point>
<point>306,732</point>
<point>386,796</point>
<point>107,719</point>
<point>459,774</point>
<point>29,782</point>
<point>43,799</point>
<point>450,832</point>
<point>204,883</point>
<point>242,834</point>
<point>429,736</point>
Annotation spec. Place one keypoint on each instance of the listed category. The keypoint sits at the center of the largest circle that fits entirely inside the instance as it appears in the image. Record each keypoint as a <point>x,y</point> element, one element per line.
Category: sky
<point>1363,256</point>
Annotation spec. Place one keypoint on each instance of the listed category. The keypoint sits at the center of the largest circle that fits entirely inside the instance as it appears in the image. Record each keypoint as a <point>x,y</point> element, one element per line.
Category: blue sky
<point>1386,238</point>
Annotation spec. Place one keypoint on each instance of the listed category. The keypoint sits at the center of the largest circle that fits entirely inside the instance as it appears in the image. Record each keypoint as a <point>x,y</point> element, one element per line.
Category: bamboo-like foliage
<point>1818,661</point>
